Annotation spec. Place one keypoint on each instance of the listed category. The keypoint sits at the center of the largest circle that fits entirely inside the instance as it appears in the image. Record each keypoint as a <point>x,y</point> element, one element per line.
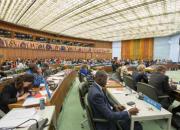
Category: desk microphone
<point>41,125</point>
<point>35,126</point>
<point>45,121</point>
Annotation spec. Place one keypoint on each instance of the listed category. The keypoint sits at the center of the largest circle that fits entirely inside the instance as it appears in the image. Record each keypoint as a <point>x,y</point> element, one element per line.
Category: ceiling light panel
<point>12,6</point>
<point>135,2</point>
<point>96,19</point>
<point>141,12</point>
<point>5,4</point>
<point>128,15</point>
<point>156,8</point>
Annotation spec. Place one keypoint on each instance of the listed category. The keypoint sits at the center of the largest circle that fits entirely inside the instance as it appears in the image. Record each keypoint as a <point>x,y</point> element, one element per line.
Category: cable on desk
<point>37,125</point>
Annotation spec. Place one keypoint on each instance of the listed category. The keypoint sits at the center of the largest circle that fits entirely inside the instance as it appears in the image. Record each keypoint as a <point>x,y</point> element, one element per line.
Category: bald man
<point>103,109</point>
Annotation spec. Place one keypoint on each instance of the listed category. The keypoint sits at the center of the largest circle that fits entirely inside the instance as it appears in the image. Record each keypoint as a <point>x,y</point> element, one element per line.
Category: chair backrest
<point>116,76</point>
<point>90,117</point>
<point>83,90</point>
<point>81,77</point>
<point>47,73</point>
<point>89,114</point>
<point>124,75</point>
<point>147,90</point>
<point>129,82</point>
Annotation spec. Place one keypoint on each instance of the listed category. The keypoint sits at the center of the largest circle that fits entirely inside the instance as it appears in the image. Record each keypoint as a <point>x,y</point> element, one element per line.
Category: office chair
<point>91,119</point>
<point>116,76</point>
<point>123,76</point>
<point>149,91</point>
<point>47,72</point>
<point>129,82</point>
<point>81,77</point>
<point>83,90</point>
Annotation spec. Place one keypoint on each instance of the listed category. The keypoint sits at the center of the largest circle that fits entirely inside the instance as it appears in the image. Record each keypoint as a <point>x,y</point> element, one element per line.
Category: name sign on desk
<point>152,102</point>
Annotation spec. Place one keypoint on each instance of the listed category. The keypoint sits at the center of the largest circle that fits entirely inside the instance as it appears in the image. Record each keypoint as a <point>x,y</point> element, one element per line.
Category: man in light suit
<point>103,109</point>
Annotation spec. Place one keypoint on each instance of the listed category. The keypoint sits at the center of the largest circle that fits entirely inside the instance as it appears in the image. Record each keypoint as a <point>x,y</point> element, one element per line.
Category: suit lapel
<point>104,95</point>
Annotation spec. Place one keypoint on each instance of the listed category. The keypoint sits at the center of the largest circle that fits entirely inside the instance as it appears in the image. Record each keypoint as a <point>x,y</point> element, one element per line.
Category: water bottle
<point>42,104</point>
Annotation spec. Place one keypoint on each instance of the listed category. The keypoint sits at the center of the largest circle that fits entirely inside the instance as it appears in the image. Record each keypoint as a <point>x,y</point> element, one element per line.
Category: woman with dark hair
<point>15,91</point>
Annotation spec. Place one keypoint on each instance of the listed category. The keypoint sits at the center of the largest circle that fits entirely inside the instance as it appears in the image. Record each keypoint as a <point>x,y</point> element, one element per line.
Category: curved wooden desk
<point>113,84</point>
<point>58,95</point>
<point>103,67</point>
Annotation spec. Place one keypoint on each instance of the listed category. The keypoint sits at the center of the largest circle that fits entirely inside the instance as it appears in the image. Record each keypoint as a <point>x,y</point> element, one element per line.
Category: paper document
<point>57,78</point>
<point>44,92</point>
<point>32,101</point>
<point>117,90</point>
<point>18,116</point>
<point>60,74</point>
<point>178,87</point>
<point>56,81</point>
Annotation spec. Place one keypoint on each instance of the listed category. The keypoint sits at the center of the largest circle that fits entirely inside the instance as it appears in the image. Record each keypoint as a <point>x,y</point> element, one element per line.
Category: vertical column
<point>174,48</point>
<point>161,48</point>
<point>116,49</point>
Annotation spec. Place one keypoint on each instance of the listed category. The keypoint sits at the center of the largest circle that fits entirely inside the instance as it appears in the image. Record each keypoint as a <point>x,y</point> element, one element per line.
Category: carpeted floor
<point>72,113</point>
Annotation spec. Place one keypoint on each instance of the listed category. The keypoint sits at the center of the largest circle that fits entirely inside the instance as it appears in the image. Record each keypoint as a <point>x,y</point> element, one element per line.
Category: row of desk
<point>55,103</point>
<point>146,111</point>
<point>58,95</point>
<point>150,69</point>
<point>15,118</point>
<point>168,66</point>
<point>175,92</point>
<point>122,95</point>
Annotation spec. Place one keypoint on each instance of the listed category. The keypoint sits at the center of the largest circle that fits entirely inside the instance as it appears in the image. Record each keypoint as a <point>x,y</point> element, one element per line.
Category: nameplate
<point>152,102</point>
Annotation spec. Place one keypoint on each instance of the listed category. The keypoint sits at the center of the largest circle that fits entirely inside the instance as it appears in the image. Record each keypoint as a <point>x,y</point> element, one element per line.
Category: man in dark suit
<point>103,109</point>
<point>161,82</point>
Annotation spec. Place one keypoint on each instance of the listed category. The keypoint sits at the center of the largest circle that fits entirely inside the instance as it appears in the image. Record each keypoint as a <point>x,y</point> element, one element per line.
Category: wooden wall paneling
<point>25,30</point>
<point>89,56</point>
<point>9,53</point>
<point>23,53</point>
<point>137,49</point>
<point>35,54</point>
<point>2,53</point>
<point>12,53</point>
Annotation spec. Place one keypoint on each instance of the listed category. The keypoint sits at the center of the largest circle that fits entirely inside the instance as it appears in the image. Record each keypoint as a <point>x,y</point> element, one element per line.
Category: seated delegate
<point>102,108</point>
<point>37,73</point>
<point>160,81</point>
<point>124,69</point>
<point>84,70</point>
<point>15,91</point>
<point>139,75</point>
